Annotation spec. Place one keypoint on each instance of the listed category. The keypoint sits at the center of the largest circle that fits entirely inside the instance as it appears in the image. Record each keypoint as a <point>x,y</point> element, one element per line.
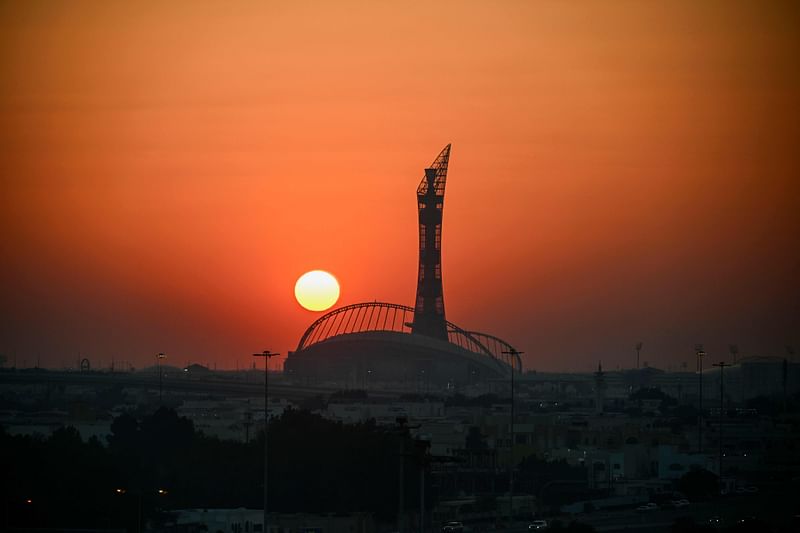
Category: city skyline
<point>624,173</point>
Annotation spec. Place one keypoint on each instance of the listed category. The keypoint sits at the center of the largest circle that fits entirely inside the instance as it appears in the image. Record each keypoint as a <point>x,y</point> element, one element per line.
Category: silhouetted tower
<point>429,306</point>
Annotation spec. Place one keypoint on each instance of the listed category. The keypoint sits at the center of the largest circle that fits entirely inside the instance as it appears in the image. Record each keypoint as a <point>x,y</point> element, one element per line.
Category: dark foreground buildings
<point>383,342</point>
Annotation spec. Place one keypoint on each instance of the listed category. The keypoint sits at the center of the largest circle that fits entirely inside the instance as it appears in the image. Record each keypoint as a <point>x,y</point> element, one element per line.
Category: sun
<point>316,290</point>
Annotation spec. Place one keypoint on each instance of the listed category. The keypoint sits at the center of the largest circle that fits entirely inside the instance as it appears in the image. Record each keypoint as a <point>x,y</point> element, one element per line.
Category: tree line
<point>161,462</point>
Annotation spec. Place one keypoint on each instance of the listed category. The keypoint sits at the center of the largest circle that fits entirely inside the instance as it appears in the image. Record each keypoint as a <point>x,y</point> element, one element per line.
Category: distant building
<point>354,412</point>
<point>673,464</point>
<point>198,370</point>
<point>243,520</point>
<point>600,389</point>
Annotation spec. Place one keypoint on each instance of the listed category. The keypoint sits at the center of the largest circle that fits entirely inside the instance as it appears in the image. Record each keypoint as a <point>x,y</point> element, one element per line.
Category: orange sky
<point>621,171</point>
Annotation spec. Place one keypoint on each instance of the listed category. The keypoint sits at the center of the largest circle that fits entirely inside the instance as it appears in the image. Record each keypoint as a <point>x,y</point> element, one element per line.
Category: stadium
<point>383,342</point>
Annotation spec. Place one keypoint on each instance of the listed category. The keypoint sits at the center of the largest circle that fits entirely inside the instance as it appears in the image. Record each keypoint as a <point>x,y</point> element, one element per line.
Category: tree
<point>316,465</point>
<point>124,431</point>
<point>699,484</point>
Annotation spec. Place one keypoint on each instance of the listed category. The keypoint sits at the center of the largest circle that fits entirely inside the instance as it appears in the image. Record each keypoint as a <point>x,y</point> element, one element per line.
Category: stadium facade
<point>384,342</point>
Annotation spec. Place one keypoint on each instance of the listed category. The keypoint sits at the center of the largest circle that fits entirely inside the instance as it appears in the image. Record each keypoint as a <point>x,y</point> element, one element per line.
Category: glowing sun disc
<point>316,290</point>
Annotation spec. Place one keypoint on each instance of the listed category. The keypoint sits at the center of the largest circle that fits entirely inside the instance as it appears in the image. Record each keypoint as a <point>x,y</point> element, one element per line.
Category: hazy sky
<point>621,171</point>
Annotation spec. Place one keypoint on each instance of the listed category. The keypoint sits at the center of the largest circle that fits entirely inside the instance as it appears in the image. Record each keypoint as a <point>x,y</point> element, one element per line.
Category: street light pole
<point>514,360</point>
<point>700,354</point>
<point>638,349</point>
<point>159,357</point>
<point>266,354</point>
<point>721,365</point>
<point>121,492</point>
<point>401,431</point>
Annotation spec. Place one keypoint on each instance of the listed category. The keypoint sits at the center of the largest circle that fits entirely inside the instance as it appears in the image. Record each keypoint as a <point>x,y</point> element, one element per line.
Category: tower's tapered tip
<point>442,159</point>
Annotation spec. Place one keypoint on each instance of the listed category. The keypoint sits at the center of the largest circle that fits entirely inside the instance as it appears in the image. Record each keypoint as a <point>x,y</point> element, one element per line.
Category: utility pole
<point>721,365</point>
<point>514,360</point>
<point>423,445</point>
<point>159,357</point>
<point>266,354</point>
<point>784,379</point>
<point>734,349</point>
<point>401,507</point>
<point>638,349</point>
<point>785,372</point>
<point>248,421</point>
<point>700,354</point>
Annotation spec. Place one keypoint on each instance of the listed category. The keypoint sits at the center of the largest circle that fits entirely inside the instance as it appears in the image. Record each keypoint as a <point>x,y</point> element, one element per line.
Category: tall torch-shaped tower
<point>429,307</point>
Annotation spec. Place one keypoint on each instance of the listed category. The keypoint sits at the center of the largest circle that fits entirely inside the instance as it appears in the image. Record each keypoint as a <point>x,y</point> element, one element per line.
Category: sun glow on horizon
<point>316,290</point>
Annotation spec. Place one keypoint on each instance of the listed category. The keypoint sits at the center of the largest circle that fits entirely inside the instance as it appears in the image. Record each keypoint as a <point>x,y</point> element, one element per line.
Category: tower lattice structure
<point>429,316</point>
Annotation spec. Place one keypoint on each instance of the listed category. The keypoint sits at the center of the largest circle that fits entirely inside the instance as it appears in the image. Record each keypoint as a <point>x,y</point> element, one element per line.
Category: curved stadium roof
<point>389,317</point>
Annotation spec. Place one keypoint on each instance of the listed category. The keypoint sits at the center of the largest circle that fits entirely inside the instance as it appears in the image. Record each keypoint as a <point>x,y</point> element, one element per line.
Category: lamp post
<point>700,354</point>
<point>138,494</point>
<point>159,357</point>
<point>721,365</point>
<point>514,359</point>
<point>266,354</point>
<point>734,349</point>
<point>423,446</point>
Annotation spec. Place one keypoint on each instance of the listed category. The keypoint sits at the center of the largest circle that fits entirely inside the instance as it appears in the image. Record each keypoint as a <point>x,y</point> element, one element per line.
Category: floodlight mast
<point>514,359</point>
<point>429,316</point>
<point>721,365</point>
<point>266,354</point>
<point>159,357</point>
<point>638,349</point>
<point>700,352</point>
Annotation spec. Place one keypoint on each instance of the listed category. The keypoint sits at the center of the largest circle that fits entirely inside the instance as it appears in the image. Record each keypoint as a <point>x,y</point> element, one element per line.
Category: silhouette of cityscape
<point>389,418</point>
<point>621,219</point>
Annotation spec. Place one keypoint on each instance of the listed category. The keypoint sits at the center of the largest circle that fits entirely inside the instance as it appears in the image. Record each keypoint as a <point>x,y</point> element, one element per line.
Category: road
<point>248,385</point>
<point>774,507</point>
